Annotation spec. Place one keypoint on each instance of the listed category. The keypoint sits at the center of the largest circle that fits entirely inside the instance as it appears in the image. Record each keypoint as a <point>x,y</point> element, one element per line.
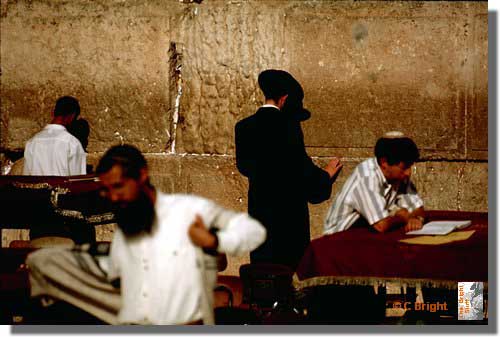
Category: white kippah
<point>394,134</point>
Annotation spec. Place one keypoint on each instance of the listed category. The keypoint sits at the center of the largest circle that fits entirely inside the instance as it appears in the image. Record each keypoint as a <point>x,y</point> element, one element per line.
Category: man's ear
<point>143,175</point>
<point>383,162</point>
<point>282,100</point>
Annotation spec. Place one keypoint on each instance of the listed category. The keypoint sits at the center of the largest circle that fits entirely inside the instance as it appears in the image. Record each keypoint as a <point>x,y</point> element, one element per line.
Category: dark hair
<point>273,83</point>
<point>397,150</point>
<point>80,128</point>
<point>67,105</point>
<point>128,157</point>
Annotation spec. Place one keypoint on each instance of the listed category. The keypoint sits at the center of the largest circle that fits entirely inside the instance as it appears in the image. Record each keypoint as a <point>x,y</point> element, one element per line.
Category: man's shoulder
<point>60,134</point>
<point>367,168</point>
<point>180,199</point>
<point>37,136</point>
<point>366,174</point>
<point>263,118</point>
<point>245,122</point>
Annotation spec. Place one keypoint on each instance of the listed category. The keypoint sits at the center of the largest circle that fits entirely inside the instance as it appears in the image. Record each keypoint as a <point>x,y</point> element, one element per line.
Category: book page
<point>440,227</point>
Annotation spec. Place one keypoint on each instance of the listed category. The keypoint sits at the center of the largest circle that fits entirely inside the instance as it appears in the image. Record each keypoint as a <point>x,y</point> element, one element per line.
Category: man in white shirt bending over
<point>54,151</point>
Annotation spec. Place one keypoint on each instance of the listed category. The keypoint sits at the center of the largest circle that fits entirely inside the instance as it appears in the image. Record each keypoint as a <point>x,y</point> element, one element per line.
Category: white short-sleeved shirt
<point>54,152</point>
<point>160,271</point>
<point>367,194</point>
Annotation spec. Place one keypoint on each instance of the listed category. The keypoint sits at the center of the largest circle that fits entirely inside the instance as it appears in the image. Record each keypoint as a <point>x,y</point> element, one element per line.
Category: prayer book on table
<point>440,227</point>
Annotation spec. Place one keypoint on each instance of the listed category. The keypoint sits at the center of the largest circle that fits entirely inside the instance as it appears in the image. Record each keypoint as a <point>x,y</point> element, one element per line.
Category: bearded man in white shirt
<point>163,251</point>
<point>54,151</point>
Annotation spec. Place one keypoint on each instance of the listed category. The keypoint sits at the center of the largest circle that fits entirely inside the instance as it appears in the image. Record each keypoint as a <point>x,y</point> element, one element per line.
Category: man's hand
<point>413,224</point>
<point>333,167</point>
<point>200,236</point>
<point>399,218</point>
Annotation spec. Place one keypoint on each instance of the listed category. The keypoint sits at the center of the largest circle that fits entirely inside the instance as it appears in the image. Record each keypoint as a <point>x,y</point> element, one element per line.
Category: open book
<point>440,227</point>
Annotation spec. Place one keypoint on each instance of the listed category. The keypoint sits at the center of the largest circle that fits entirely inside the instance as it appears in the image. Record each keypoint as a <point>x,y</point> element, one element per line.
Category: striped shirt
<point>367,194</point>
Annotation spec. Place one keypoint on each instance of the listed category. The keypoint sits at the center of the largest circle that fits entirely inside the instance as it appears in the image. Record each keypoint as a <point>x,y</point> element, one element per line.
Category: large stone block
<point>225,46</point>
<point>477,136</point>
<point>371,68</point>
<point>459,186</point>
<point>473,187</point>
<point>112,58</point>
<point>165,172</point>
<point>438,184</point>
<point>216,178</point>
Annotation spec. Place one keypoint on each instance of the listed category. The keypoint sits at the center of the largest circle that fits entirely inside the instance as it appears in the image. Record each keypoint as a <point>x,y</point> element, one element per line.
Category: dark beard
<point>135,217</point>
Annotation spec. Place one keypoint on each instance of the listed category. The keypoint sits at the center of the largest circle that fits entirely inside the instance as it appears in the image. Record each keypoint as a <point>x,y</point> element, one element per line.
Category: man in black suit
<point>282,178</point>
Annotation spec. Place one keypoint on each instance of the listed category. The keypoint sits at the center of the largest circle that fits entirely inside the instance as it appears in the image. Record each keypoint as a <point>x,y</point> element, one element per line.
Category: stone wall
<point>173,77</point>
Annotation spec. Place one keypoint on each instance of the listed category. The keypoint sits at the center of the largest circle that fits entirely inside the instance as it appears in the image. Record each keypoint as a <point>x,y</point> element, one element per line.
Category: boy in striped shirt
<point>379,192</point>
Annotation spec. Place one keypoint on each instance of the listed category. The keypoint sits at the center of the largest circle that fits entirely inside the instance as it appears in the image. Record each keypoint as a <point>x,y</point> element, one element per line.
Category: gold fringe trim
<point>96,219</point>
<point>101,218</point>
<point>374,281</point>
<point>34,186</point>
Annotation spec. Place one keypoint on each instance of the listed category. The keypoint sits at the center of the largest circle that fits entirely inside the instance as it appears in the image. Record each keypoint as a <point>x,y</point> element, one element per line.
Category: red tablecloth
<point>363,256</point>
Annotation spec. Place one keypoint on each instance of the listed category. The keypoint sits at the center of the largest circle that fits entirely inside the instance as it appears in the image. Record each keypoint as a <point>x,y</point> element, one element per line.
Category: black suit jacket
<point>282,180</point>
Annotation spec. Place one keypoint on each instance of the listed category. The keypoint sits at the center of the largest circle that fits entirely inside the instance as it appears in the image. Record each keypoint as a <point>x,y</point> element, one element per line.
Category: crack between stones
<point>175,63</point>
<point>175,117</point>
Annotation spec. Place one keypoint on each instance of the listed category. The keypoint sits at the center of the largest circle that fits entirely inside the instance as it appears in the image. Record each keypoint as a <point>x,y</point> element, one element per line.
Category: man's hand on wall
<point>200,236</point>
<point>333,167</point>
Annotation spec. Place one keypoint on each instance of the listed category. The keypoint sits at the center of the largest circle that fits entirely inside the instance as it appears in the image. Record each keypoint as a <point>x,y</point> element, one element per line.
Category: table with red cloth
<point>362,256</point>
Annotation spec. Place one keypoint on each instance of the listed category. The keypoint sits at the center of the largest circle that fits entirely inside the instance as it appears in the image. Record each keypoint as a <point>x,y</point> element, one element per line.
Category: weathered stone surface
<point>438,184</point>
<point>385,65</point>
<point>226,45</point>
<point>114,60</point>
<point>473,187</point>
<point>478,118</point>
<point>216,178</point>
<point>453,185</point>
<point>379,74</point>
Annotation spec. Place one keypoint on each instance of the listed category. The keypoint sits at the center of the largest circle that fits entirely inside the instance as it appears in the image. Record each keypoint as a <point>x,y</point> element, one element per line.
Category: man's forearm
<point>419,213</point>
<point>399,218</point>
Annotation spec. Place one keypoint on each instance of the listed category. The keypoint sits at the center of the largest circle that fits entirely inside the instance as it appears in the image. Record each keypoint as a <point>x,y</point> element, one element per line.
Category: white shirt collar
<point>55,127</point>
<point>269,106</point>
